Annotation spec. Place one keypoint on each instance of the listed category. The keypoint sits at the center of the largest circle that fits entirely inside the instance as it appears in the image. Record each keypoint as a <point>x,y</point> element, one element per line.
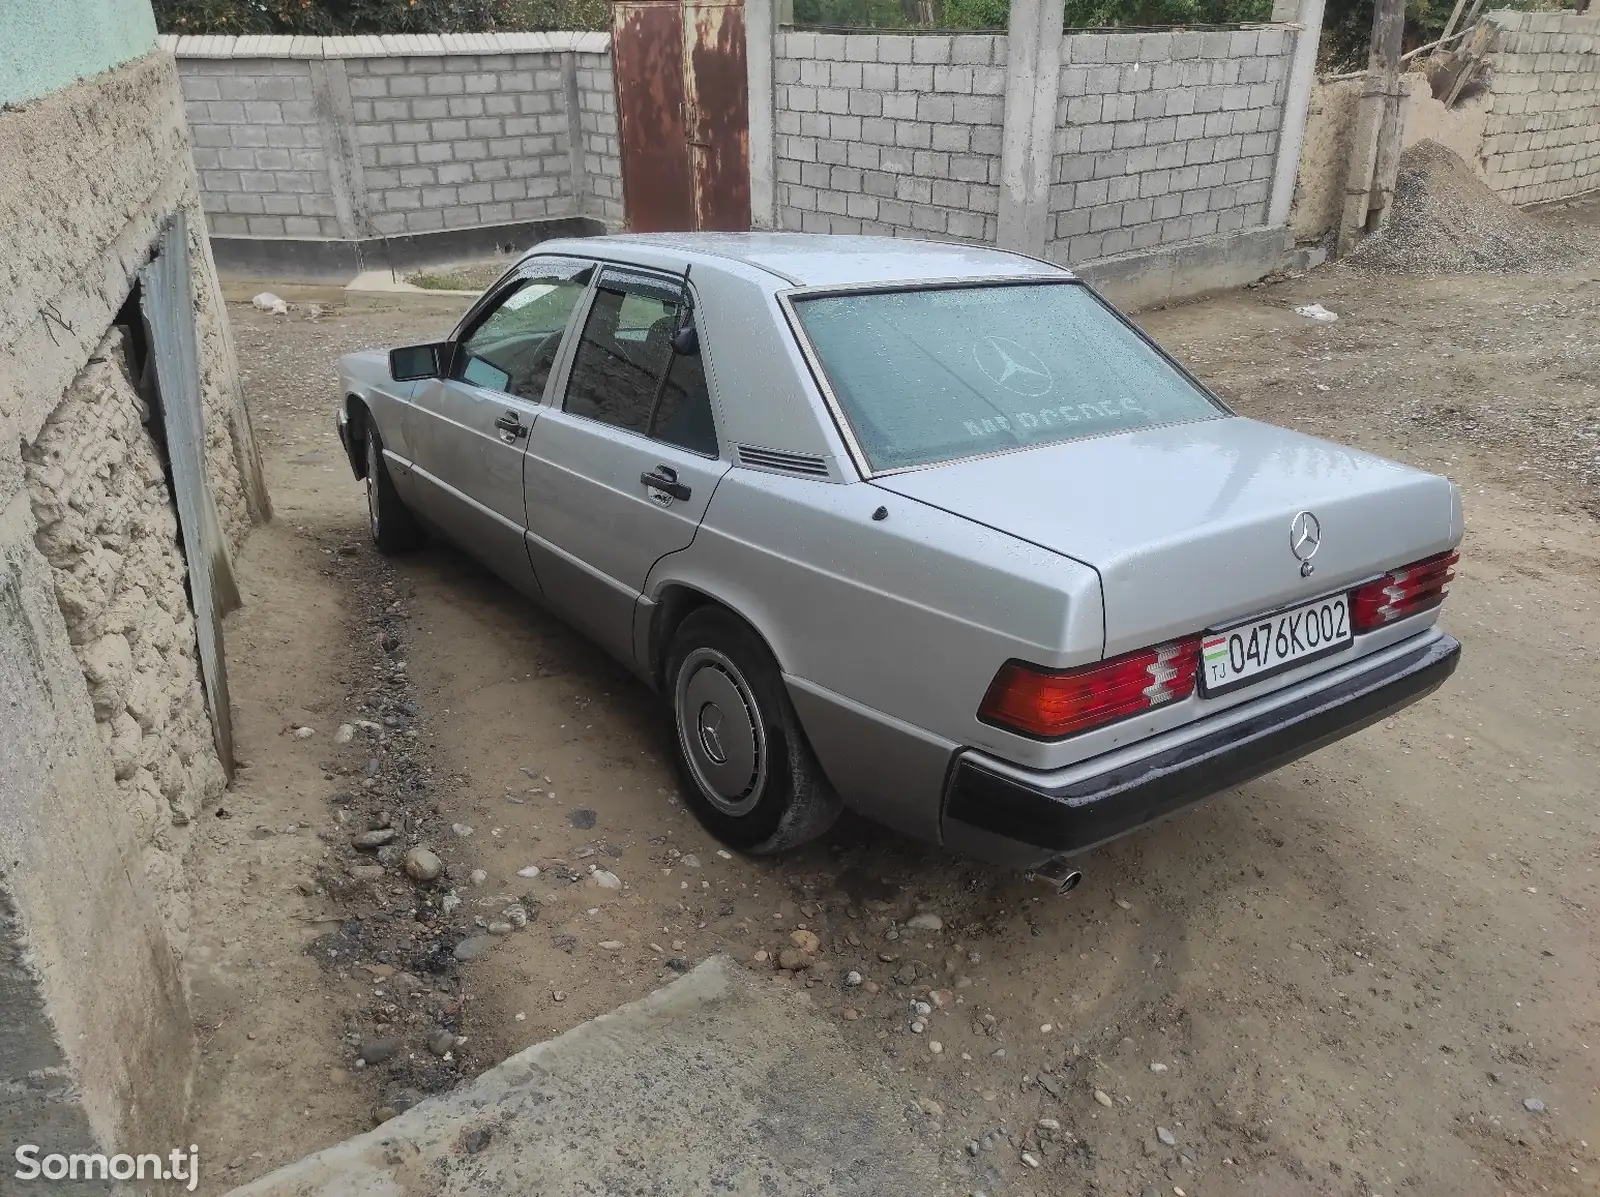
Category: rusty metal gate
<point>683,113</point>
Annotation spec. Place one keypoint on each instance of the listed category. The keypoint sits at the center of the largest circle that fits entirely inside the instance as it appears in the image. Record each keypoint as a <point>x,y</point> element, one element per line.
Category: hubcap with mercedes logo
<point>720,727</point>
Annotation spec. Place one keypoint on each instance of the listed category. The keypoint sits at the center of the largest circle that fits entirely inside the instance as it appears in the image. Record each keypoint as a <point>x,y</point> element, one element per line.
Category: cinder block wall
<point>1160,137</point>
<point>890,133</point>
<point>1163,137</point>
<point>462,139</point>
<point>356,137</point>
<point>258,147</point>
<point>1542,130</point>
<point>600,144</point>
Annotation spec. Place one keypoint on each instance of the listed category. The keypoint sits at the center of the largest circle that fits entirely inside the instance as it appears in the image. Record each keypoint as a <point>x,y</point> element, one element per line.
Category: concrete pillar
<point>1027,148</point>
<point>569,100</point>
<point>1292,132</point>
<point>336,120</point>
<point>759,32</point>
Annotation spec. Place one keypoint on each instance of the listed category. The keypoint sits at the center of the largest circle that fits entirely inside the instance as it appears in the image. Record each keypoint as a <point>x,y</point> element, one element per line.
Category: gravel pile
<point>1444,220</point>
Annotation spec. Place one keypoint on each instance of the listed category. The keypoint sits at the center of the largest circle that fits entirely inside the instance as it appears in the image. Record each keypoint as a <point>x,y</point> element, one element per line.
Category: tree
<point>991,14</point>
<point>325,18</point>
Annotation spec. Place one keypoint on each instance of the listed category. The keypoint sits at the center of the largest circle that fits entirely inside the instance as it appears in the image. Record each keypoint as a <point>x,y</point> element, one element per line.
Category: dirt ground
<point>1359,975</point>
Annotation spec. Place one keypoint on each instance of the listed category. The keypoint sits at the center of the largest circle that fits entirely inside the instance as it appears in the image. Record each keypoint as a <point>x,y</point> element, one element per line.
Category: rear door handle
<point>665,479</point>
<point>511,425</point>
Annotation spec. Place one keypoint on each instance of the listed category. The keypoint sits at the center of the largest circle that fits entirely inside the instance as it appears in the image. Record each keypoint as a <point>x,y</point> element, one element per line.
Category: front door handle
<point>665,479</point>
<point>511,425</point>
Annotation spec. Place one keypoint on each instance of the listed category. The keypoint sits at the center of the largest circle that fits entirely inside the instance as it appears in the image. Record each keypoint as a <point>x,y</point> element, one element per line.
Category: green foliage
<point>991,14</point>
<point>557,14</point>
<point>862,14</point>
<point>1347,27</point>
<point>975,14</point>
<point>330,17</point>
<point>1088,14</point>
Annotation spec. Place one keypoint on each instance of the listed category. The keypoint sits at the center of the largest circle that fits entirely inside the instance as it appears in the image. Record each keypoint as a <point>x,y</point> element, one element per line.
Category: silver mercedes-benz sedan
<point>926,530</point>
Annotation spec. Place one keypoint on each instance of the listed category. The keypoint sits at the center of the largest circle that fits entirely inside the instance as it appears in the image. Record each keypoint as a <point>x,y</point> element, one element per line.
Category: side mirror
<point>411,362</point>
<point>686,342</point>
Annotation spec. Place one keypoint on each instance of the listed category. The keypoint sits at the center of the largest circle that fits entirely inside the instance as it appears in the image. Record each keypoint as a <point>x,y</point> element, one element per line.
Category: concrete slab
<point>1188,269</point>
<point>379,288</point>
<point>718,1083</point>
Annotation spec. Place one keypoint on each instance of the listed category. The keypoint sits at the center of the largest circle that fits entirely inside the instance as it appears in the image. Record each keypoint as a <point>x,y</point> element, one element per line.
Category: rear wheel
<point>394,528</point>
<point>751,777</point>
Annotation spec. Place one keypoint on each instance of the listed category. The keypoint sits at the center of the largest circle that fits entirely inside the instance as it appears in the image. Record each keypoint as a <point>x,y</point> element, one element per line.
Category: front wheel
<point>751,777</point>
<point>393,527</point>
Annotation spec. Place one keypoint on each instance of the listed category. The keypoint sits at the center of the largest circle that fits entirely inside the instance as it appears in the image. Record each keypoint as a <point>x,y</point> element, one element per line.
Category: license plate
<point>1256,650</point>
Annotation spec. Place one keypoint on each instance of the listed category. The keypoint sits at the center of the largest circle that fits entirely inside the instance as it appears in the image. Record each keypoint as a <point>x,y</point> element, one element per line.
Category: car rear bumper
<point>1020,817</point>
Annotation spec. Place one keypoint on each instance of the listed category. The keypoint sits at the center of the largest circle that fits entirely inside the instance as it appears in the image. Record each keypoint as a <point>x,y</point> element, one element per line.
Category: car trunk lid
<point>1189,525</point>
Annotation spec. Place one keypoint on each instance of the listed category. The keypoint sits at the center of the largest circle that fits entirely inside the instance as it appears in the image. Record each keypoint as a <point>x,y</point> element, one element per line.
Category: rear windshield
<point>934,375</point>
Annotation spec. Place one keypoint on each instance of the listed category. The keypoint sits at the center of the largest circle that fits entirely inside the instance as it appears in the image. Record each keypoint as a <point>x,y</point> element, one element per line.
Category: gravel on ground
<point>1373,971</point>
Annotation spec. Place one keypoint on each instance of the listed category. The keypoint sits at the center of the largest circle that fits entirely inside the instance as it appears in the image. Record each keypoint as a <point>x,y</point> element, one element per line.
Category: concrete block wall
<point>258,147</point>
<point>356,137</point>
<point>462,139</point>
<point>600,145</point>
<point>1163,137</point>
<point>1159,138</point>
<point>889,134</point>
<point>1542,129</point>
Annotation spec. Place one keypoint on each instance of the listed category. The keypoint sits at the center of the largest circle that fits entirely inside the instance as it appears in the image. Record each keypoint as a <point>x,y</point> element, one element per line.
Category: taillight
<point>1049,703</point>
<point>1402,592</point>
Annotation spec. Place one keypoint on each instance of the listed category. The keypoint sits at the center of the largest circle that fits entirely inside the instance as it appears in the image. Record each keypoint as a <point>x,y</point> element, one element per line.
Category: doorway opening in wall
<point>142,370</point>
<point>166,305</point>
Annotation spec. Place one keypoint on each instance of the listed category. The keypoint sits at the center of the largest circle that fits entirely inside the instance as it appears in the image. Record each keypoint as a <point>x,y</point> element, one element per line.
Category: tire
<point>394,529</point>
<point>750,776</point>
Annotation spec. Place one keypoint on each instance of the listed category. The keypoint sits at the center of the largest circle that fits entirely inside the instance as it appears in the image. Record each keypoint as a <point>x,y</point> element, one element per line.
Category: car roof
<point>827,260</point>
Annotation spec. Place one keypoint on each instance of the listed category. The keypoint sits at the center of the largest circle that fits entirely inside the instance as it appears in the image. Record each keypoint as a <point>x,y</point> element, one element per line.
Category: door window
<point>626,374</point>
<point>512,348</point>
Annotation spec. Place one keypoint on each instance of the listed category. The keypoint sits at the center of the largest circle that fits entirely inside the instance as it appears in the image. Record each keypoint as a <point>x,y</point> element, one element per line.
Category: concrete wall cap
<point>385,46</point>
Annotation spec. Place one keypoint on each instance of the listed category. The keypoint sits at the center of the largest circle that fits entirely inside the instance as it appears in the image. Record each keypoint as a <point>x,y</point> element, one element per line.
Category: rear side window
<point>934,375</point>
<point>626,373</point>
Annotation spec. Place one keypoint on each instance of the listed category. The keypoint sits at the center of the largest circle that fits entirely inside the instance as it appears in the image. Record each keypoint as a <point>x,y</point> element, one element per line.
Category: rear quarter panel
<point>908,617</point>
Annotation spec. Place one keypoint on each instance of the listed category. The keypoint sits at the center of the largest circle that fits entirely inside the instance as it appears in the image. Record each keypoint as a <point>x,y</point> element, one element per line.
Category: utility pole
<point>1375,144</point>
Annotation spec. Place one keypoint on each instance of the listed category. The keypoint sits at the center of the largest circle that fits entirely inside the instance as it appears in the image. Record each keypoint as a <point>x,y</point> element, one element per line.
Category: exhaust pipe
<point>1057,874</point>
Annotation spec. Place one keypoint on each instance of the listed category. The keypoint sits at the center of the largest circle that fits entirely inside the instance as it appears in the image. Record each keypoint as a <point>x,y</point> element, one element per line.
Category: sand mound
<point>1445,220</point>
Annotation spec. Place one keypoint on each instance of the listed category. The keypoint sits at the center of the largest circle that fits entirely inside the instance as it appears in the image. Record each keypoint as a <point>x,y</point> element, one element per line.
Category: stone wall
<point>106,522</point>
<point>889,133</point>
<point>1164,137</point>
<point>105,754</point>
<point>346,138</point>
<point>1541,134</point>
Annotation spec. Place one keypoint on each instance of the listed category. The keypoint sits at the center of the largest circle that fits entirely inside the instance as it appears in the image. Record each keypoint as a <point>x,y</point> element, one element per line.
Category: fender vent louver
<point>788,463</point>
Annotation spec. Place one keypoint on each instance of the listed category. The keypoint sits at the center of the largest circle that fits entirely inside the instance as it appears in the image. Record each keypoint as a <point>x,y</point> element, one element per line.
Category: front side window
<point>934,375</point>
<point>627,374</point>
<point>513,348</point>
